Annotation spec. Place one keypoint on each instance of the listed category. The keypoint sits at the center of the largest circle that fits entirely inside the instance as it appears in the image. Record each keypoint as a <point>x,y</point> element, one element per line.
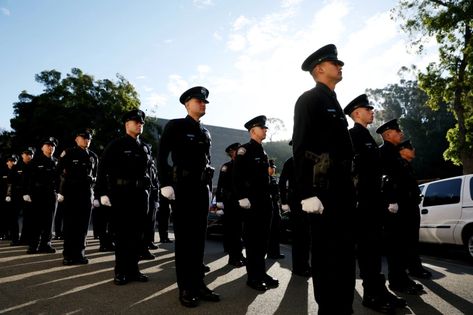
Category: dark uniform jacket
<point>286,182</point>
<point>320,135</point>
<point>225,192</point>
<point>391,168</point>
<point>250,173</point>
<point>124,162</point>
<point>367,166</point>
<point>188,143</point>
<point>41,175</point>
<point>12,182</point>
<point>78,168</point>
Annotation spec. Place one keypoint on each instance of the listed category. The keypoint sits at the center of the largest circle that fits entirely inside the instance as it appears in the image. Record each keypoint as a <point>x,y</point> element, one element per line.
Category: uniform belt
<point>131,182</point>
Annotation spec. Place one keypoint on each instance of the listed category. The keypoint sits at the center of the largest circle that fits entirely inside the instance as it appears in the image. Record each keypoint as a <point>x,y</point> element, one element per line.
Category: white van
<point>446,212</point>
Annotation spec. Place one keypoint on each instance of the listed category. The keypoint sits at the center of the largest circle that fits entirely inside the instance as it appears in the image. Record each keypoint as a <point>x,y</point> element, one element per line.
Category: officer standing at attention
<point>393,188</point>
<point>150,224</point>
<point>323,156</point>
<point>232,219</point>
<point>274,250</point>
<point>13,198</point>
<point>369,210</point>
<point>300,227</point>
<point>77,168</point>
<point>26,157</point>
<point>251,183</point>
<point>40,190</point>
<point>411,212</point>
<point>123,183</point>
<point>186,180</point>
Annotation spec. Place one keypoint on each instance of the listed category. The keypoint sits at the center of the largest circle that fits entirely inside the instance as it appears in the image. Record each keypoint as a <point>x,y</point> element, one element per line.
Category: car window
<point>471,188</point>
<point>442,193</point>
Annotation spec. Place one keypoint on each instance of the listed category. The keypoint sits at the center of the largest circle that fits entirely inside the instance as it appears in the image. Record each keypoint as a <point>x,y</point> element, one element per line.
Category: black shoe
<point>302,273</point>
<point>188,299</point>
<point>106,248</point>
<point>420,273</point>
<point>152,245</point>
<point>48,249</point>
<point>236,263</point>
<point>276,256</point>
<point>208,295</point>
<point>139,277</point>
<point>32,250</point>
<point>378,303</point>
<point>394,300</point>
<point>257,285</point>
<point>409,287</point>
<point>15,243</point>
<point>165,240</point>
<point>205,268</point>
<point>147,256</point>
<point>120,279</point>
<point>271,282</point>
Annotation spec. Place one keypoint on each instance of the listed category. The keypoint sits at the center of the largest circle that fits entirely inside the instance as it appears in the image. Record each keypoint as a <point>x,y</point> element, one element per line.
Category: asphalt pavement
<point>40,284</point>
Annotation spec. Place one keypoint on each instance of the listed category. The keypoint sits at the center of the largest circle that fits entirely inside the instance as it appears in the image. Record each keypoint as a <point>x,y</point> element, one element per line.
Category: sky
<point>247,53</point>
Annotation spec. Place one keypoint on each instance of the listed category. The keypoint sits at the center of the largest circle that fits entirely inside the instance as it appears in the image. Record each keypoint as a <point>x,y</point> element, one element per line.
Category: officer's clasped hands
<point>7,199</point>
<point>105,201</point>
<point>244,203</point>
<point>27,198</point>
<point>220,205</point>
<point>285,208</point>
<point>393,207</point>
<point>312,205</point>
<point>168,192</point>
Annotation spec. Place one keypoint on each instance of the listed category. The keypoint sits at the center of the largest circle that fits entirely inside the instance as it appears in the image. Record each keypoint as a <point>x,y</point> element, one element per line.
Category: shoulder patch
<point>63,153</point>
<point>241,151</point>
<point>224,168</point>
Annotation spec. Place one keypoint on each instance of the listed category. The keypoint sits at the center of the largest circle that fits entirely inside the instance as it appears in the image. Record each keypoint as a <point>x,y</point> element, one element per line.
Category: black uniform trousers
<point>333,251</point>
<point>256,229</point>
<point>190,213</point>
<point>76,217</point>
<point>369,237</point>
<point>300,231</point>
<point>402,238</point>
<point>162,217</point>
<point>149,228</point>
<point>275,232</point>
<point>129,209</point>
<point>12,211</point>
<point>42,216</point>
<point>233,225</point>
<point>27,223</point>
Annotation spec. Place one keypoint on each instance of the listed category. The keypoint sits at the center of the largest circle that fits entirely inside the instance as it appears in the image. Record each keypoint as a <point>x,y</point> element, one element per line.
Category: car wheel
<point>469,244</point>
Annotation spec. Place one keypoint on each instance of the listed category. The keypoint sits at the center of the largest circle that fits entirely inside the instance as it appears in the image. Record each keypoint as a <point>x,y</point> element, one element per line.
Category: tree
<point>424,126</point>
<point>447,82</point>
<point>275,125</point>
<point>70,103</point>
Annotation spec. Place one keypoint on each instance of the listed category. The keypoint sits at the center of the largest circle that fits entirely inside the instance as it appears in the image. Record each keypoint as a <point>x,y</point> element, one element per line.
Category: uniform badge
<point>224,168</point>
<point>241,151</point>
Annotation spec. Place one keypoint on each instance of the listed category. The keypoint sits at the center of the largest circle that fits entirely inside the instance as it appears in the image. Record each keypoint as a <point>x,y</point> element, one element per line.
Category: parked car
<point>447,212</point>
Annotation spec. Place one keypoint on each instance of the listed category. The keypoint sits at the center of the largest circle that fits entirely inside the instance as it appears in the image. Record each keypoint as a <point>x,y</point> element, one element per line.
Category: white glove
<point>96,203</point>
<point>105,201</point>
<point>244,203</point>
<point>219,212</point>
<point>27,198</point>
<point>60,198</point>
<point>285,208</point>
<point>393,207</point>
<point>168,192</point>
<point>220,205</point>
<point>312,205</point>
<point>7,198</point>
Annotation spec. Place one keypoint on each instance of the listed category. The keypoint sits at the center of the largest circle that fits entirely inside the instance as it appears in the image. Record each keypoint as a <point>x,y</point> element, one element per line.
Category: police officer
<point>77,167</point>
<point>40,189</point>
<point>251,182</point>
<point>13,198</point>
<point>300,228</point>
<point>323,156</point>
<point>394,188</point>
<point>274,250</point>
<point>123,183</point>
<point>185,181</point>
<point>411,212</point>
<point>232,220</point>
<point>149,227</point>
<point>23,165</point>
<point>369,210</point>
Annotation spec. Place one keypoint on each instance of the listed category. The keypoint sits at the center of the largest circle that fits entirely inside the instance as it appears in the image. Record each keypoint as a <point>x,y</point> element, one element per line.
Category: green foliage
<point>279,151</point>
<point>449,80</point>
<point>67,104</point>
